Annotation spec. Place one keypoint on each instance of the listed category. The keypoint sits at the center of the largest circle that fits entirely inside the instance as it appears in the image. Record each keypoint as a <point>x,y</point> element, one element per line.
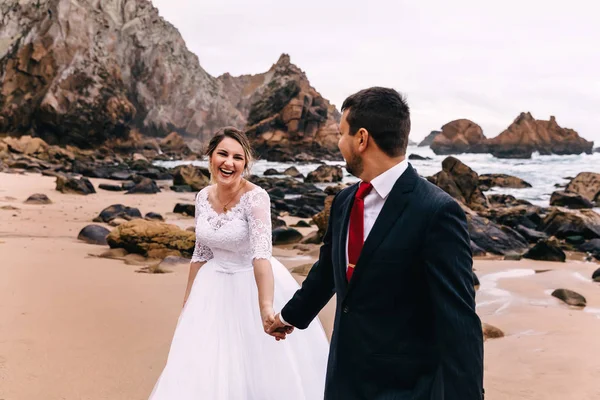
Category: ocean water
<point>542,172</point>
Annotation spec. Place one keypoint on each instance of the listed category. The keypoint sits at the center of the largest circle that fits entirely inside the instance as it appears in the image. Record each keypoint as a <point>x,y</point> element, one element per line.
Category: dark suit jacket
<point>405,325</point>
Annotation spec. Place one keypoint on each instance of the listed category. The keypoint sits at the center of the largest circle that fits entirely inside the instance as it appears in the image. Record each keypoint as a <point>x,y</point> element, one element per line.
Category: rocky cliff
<point>285,114</point>
<point>83,71</point>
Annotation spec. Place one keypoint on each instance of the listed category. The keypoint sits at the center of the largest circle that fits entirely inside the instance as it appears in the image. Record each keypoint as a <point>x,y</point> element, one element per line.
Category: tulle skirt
<point>221,352</point>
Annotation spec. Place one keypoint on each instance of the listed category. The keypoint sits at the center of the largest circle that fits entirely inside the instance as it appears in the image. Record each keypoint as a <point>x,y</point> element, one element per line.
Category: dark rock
<point>271,171</point>
<point>460,136</point>
<point>38,198</point>
<point>503,181</point>
<point>293,172</point>
<point>504,200</point>
<point>491,332</point>
<point>592,247</point>
<point>111,188</point>
<point>333,190</point>
<point>546,250</point>
<point>301,224</point>
<point>528,216</point>
<point>569,200</point>
<point>188,209</point>
<point>94,234</point>
<point>325,173</point>
<point>460,182</point>
<point>531,235</point>
<point>494,238</point>
<point>575,240</point>
<point>118,211</point>
<point>476,250</point>
<point>195,177</point>
<point>312,238</point>
<point>570,297</point>
<point>72,185</point>
<point>586,184</point>
<point>182,189</point>
<point>562,223</point>
<point>596,275</point>
<point>145,186</point>
<point>121,175</point>
<point>276,193</point>
<point>128,185</point>
<point>513,257</point>
<point>154,216</point>
<point>418,157</point>
<point>283,236</point>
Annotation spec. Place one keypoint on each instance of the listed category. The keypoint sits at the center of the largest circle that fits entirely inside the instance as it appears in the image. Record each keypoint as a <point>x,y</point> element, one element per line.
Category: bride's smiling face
<point>228,162</point>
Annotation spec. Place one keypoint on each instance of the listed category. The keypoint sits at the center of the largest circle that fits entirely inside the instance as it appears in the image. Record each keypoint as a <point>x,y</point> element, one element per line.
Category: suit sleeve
<point>458,331</point>
<point>318,287</point>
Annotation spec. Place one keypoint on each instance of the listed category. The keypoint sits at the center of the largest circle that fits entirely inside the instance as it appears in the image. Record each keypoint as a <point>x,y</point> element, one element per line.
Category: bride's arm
<point>263,273</point>
<point>259,222</point>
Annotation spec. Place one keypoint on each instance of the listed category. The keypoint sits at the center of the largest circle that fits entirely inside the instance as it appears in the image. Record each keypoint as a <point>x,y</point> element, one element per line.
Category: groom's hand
<point>278,329</point>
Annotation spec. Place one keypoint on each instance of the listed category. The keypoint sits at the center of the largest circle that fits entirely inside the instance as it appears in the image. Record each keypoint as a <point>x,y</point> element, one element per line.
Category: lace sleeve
<point>259,222</point>
<point>202,253</point>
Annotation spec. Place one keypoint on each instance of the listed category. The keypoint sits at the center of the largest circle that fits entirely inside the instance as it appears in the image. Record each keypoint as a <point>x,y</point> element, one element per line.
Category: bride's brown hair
<point>235,134</point>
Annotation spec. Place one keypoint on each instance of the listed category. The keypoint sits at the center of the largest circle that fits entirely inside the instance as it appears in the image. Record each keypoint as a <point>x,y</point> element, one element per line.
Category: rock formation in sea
<point>460,136</point>
<point>527,135</point>
<point>80,72</point>
<point>521,139</point>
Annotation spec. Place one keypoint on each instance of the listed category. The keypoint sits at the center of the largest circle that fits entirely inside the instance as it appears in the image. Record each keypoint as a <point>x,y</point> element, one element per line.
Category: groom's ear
<point>363,139</point>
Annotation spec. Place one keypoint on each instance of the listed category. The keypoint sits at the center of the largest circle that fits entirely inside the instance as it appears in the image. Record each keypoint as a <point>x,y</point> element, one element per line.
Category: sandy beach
<point>75,326</point>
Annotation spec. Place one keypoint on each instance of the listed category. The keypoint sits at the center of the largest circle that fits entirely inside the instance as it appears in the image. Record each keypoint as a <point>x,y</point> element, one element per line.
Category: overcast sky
<point>452,59</point>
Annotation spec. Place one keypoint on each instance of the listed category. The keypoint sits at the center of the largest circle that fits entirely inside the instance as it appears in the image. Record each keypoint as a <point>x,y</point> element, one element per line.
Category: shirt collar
<point>383,183</point>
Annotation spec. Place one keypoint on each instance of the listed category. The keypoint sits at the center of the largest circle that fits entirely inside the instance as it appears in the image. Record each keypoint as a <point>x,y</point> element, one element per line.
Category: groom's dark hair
<point>384,113</point>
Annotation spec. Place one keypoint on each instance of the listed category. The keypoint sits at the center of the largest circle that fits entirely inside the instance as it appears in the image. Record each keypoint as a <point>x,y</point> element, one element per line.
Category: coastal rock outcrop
<point>285,114</point>
<point>527,135</point>
<point>460,136</point>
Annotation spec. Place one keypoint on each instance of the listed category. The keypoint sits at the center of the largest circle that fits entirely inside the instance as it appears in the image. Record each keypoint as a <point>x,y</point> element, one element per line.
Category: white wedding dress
<point>220,350</point>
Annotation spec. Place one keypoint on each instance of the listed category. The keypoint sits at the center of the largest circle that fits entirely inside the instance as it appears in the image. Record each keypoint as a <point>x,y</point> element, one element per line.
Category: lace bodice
<point>237,237</point>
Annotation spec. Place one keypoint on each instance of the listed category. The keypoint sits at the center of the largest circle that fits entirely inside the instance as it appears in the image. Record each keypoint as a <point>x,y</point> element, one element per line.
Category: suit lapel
<point>346,208</point>
<point>391,211</point>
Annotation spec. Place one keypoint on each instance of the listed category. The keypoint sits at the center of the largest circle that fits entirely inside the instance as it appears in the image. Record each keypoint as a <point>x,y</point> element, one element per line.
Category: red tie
<point>356,234</point>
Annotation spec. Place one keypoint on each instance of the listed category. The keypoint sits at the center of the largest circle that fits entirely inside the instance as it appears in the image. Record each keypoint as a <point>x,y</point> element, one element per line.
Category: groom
<point>397,256</point>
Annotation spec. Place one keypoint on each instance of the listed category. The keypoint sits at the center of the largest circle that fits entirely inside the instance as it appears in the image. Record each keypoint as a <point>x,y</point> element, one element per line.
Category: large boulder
<point>197,178</point>
<point>460,182</point>
<point>546,250</point>
<point>73,185</point>
<point>527,135</point>
<point>562,223</point>
<point>118,211</point>
<point>152,239</point>
<point>94,234</point>
<point>587,185</point>
<point>493,238</point>
<point>561,198</point>
<point>460,136</point>
<point>325,173</point>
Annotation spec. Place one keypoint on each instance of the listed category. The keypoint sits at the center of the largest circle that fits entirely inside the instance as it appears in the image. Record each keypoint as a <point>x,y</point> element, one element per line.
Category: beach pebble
<point>94,234</point>
<point>38,198</point>
<point>491,332</point>
<point>570,297</point>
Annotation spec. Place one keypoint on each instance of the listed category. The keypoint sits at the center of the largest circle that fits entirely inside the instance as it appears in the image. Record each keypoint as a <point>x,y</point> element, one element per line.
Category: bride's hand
<point>268,317</point>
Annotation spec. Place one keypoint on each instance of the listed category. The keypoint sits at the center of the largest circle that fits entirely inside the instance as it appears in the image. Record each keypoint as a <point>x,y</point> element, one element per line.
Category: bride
<point>220,350</point>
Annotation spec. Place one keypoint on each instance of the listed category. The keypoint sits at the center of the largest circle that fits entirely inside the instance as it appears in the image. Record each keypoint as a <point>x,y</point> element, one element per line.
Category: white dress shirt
<point>374,201</point>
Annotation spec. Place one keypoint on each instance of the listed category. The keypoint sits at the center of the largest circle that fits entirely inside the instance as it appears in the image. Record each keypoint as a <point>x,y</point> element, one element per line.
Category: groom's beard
<point>354,165</point>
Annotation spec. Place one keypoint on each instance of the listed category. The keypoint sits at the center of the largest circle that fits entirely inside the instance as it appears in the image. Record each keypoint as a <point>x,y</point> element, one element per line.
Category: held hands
<point>278,329</point>
<point>272,324</point>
